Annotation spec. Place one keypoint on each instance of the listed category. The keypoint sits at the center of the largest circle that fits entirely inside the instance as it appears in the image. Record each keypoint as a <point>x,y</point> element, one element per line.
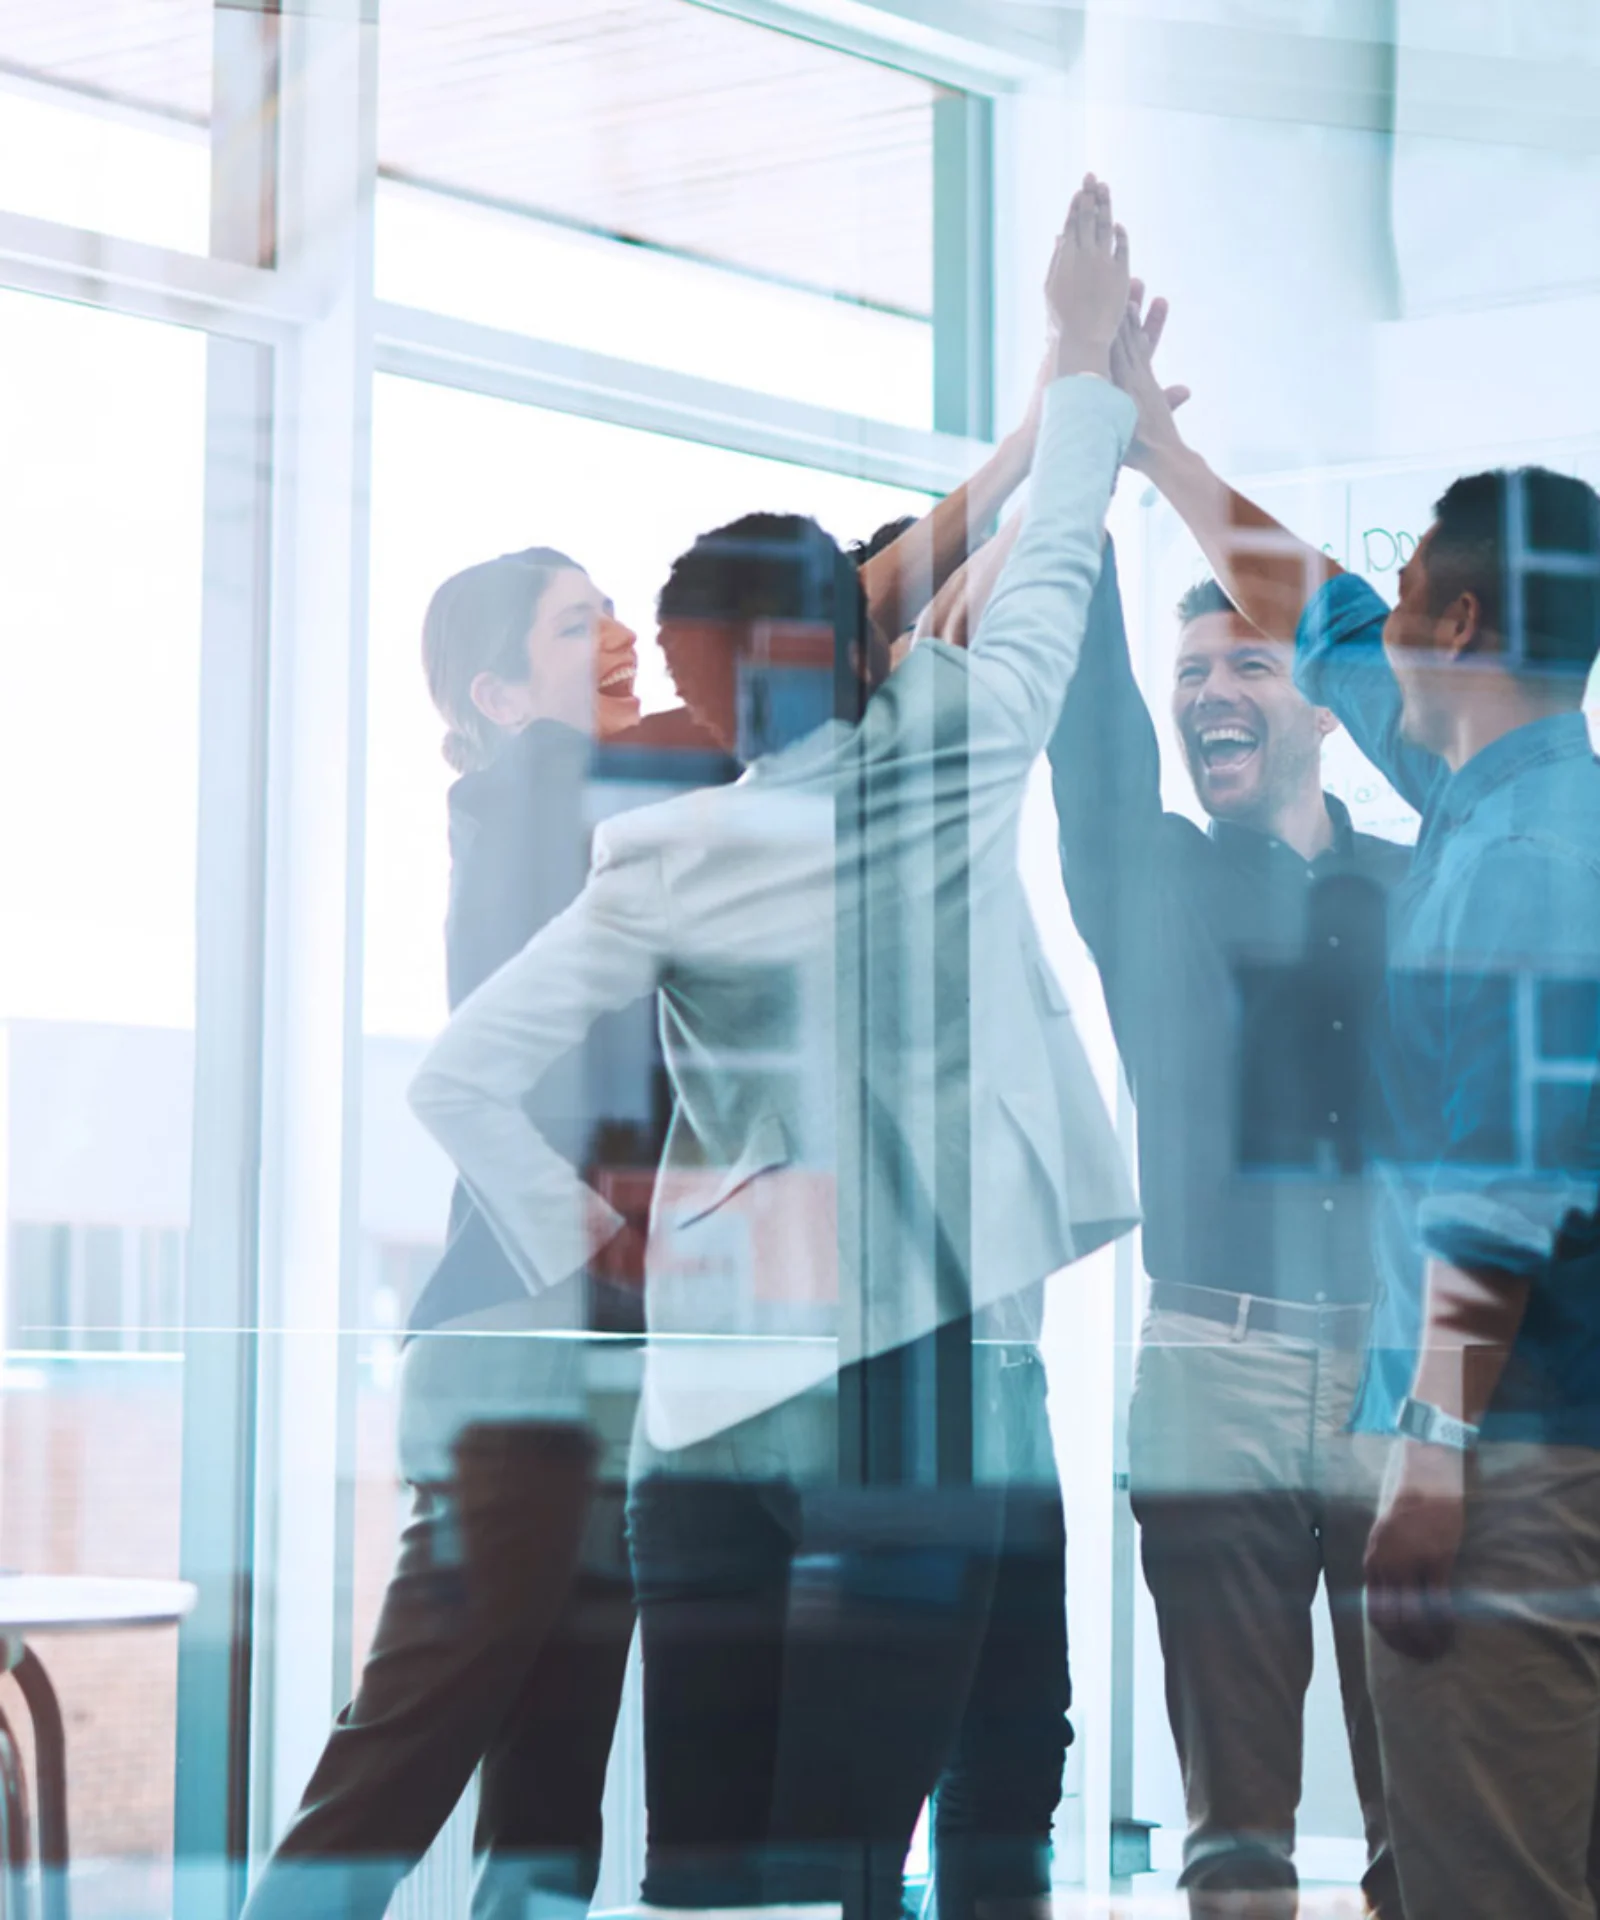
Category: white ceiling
<point>672,124</point>
<point>155,52</point>
<point>652,118</point>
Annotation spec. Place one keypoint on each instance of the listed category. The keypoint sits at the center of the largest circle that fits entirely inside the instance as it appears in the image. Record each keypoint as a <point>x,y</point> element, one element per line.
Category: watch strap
<point>1421,1420</point>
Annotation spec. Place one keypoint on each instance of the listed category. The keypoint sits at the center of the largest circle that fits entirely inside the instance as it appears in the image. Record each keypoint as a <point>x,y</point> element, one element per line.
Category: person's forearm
<point>1471,1322</point>
<point>1269,573</point>
<point>906,576</point>
<point>955,610</point>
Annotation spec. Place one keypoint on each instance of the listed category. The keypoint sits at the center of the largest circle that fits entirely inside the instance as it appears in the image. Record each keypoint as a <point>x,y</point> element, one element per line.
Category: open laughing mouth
<point>1224,748</point>
<point>619,681</point>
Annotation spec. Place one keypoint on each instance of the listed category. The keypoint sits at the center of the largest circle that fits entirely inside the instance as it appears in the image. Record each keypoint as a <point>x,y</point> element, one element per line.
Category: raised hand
<point>1133,368</point>
<point>1087,285</point>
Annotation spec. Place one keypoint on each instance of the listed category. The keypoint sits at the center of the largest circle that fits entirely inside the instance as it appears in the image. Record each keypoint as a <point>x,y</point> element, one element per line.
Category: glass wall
<point>101,671</point>
<point>607,1085</point>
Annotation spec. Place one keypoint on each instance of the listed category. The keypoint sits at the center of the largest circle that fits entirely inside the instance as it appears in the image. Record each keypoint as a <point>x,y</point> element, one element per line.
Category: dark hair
<point>1526,542</point>
<point>1205,597</point>
<point>765,566</point>
<point>861,551</point>
<point>478,622</point>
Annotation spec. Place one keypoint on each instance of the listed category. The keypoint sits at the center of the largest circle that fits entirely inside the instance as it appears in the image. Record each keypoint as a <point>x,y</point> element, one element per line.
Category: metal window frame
<point>286,301</point>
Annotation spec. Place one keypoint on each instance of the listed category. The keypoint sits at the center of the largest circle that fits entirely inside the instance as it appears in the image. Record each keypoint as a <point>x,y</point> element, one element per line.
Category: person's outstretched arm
<point>954,612</point>
<point>1285,587</point>
<point>1105,773</point>
<point>1269,573</point>
<point>907,576</point>
<point>1026,646</point>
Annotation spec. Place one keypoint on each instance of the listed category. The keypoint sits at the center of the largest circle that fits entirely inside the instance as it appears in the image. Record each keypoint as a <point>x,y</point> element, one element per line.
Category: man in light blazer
<point>884,1129</point>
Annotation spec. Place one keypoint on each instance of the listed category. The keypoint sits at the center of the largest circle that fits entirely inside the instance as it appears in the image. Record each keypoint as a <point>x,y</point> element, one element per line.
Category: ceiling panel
<point>674,125</point>
<point>655,119</point>
<point>156,53</point>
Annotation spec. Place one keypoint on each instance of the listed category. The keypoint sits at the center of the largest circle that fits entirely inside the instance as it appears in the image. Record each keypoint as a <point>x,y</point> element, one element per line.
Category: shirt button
<point>1327,1206</point>
<point>1333,1119</point>
<point>1333,939</point>
<point>1320,1298</point>
<point>1338,1026</point>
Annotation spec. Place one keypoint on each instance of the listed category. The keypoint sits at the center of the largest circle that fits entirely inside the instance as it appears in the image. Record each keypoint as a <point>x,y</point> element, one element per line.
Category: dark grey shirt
<point>1242,982</point>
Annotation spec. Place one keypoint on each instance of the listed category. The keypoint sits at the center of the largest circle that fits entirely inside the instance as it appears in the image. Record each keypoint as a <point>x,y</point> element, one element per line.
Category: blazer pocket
<point>766,1149</point>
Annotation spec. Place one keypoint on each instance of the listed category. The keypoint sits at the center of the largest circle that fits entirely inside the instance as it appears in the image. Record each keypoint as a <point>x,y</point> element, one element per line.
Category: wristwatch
<point>1421,1420</point>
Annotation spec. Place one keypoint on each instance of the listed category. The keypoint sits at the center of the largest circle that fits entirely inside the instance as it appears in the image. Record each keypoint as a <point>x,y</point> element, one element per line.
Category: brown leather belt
<point>1339,1325</point>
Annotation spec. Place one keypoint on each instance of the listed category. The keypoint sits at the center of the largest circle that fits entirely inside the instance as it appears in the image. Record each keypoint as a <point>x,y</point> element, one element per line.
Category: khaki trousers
<point>1492,1753</point>
<point>1249,1495</point>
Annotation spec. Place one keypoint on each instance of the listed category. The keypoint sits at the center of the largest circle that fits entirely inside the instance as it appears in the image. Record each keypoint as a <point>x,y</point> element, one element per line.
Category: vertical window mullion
<point>963,265</point>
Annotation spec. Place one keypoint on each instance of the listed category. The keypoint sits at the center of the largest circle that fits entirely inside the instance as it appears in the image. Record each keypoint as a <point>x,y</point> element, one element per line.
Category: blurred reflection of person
<point>809,1645</point>
<point>1242,965</point>
<point>1484,1561</point>
<point>993,1809</point>
<point>503,1636</point>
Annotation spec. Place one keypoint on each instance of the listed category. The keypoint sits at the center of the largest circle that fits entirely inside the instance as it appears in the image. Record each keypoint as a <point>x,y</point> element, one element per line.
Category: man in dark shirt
<point>1484,1368</point>
<point>1241,966</point>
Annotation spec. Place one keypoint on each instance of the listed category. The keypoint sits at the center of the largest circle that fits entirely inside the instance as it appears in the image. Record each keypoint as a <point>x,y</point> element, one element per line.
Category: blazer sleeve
<point>1026,648</point>
<point>605,951</point>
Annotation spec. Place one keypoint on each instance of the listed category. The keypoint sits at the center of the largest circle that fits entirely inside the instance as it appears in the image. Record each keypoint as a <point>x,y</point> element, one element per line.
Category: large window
<point>459,478</point>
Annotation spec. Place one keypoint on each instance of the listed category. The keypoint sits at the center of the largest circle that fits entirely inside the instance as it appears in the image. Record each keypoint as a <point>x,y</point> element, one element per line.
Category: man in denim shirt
<point>1484,1563</point>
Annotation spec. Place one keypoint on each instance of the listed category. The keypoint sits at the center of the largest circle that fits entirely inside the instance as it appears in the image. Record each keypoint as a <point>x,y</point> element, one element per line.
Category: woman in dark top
<point>504,1633</point>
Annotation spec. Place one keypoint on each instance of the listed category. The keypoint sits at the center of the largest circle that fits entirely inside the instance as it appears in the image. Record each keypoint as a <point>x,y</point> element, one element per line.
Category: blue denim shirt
<point>1487,1057</point>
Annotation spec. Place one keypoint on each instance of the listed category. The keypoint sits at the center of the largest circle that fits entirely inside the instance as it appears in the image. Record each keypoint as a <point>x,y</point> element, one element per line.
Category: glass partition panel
<point>101,503</point>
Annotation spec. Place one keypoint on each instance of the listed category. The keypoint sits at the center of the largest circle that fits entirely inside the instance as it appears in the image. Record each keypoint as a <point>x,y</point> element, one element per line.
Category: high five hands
<point>1086,288</point>
<point>1133,368</point>
<point>1098,317</point>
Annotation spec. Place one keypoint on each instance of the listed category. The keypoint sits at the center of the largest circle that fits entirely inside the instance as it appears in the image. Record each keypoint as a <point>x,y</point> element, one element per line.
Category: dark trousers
<point>818,1660</point>
<point>493,1646</point>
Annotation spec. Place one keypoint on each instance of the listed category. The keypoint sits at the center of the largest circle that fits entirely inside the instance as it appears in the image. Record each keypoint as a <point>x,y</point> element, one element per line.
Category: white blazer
<point>851,1163</point>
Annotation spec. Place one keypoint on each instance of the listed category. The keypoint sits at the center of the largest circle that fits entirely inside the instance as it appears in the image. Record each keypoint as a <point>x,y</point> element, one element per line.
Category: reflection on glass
<point>884,857</point>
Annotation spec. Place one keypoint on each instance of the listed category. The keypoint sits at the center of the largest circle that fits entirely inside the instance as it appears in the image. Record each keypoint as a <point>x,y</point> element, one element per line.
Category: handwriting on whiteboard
<point>1386,550</point>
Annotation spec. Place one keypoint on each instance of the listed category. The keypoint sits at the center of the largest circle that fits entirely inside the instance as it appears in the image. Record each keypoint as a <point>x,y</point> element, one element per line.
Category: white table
<point>60,1603</point>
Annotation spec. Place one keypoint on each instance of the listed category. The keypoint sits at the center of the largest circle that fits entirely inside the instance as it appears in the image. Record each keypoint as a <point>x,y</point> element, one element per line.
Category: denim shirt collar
<point>1561,736</point>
